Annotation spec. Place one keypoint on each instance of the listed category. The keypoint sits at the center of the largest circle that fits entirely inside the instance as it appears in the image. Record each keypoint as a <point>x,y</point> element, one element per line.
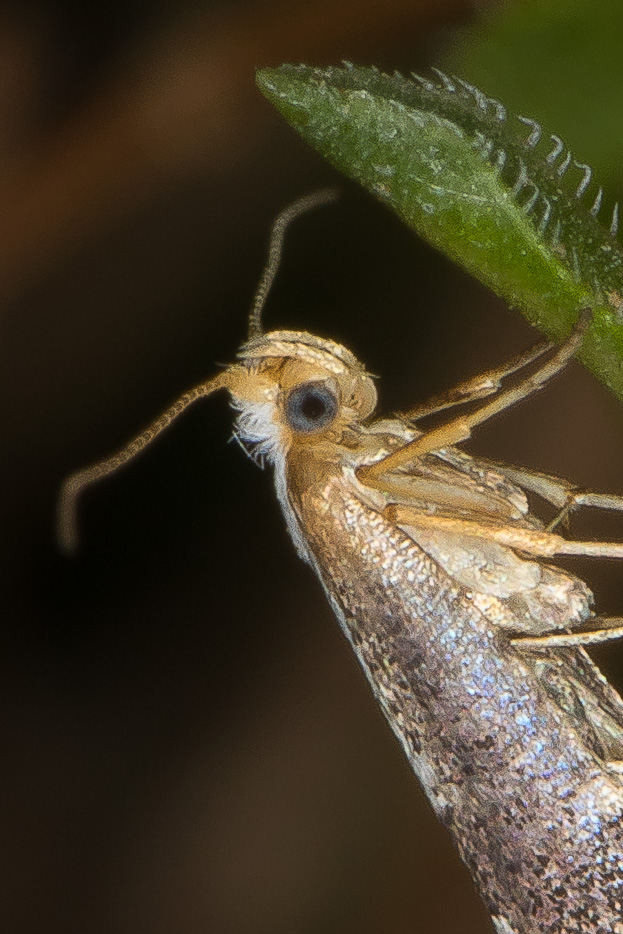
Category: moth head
<point>292,387</point>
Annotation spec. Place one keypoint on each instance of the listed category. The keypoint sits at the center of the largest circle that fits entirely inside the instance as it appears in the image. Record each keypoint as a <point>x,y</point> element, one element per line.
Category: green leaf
<point>507,202</point>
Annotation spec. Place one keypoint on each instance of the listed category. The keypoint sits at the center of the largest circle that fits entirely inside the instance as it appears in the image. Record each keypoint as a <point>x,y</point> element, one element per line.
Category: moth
<point>440,575</point>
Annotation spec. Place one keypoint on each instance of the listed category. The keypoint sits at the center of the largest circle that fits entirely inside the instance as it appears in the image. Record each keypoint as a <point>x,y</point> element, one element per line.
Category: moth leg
<point>610,629</point>
<point>563,515</point>
<point>478,387</point>
<point>536,542</point>
<point>460,429</point>
<point>585,498</point>
<point>560,493</point>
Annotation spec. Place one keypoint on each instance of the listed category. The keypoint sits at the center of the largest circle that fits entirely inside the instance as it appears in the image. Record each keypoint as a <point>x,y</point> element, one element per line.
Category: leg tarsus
<point>608,631</point>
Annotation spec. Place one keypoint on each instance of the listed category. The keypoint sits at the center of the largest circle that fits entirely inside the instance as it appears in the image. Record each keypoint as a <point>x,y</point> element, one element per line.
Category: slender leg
<point>460,429</point>
<point>478,387</point>
<point>595,500</point>
<point>558,492</point>
<point>537,542</point>
<point>610,629</point>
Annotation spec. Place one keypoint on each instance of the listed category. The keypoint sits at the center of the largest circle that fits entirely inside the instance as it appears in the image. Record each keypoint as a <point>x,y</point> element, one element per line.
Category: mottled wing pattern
<point>514,592</point>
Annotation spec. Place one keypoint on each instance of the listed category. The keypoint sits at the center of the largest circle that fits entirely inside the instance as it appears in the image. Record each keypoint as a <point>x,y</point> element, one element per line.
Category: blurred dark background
<point>188,744</point>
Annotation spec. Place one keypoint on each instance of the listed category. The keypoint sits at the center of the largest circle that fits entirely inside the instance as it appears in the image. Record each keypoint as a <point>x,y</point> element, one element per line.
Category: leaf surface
<point>504,199</point>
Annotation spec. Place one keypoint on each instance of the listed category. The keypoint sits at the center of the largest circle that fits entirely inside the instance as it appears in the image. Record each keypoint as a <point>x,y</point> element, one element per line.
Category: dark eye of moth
<point>311,407</point>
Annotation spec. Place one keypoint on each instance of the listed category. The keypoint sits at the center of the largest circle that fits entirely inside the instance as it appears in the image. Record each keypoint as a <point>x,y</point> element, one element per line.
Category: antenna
<point>275,249</point>
<point>67,524</point>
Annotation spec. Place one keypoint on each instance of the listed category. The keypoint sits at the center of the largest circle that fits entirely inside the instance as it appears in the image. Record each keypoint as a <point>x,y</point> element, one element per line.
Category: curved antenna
<point>275,249</point>
<point>67,524</point>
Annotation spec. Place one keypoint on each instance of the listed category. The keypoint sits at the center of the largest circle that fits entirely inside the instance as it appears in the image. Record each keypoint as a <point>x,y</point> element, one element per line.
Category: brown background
<point>188,745</point>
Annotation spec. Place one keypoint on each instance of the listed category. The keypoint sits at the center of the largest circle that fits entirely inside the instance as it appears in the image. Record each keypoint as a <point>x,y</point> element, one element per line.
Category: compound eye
<point>311,407</point>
